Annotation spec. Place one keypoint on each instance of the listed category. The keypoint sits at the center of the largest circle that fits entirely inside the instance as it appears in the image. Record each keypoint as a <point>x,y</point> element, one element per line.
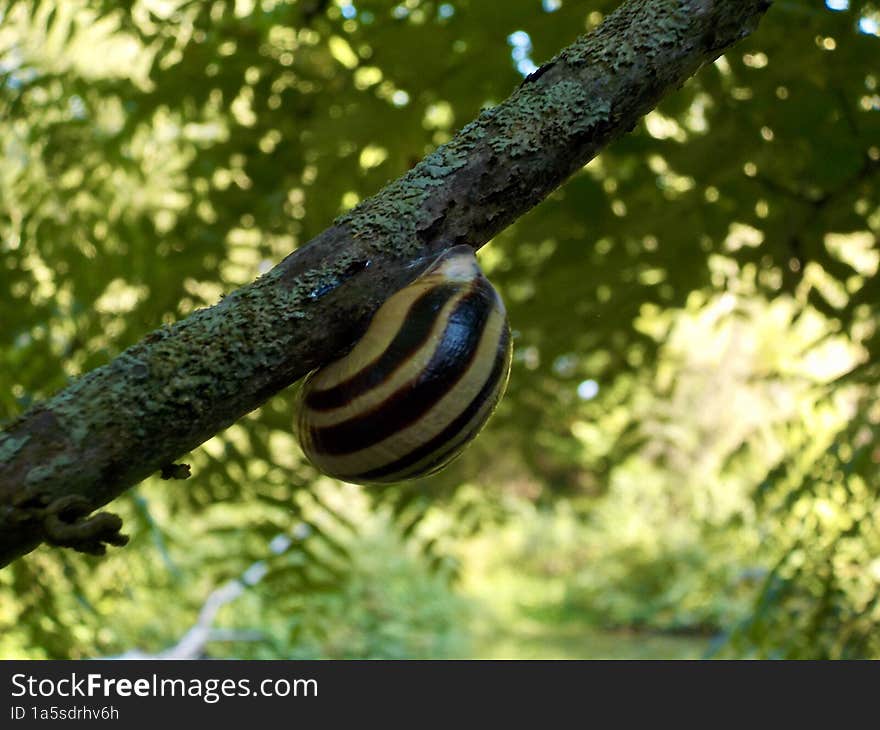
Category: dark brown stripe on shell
<point>450,362</point>
<point>411,336</point>
<point>451,433</point>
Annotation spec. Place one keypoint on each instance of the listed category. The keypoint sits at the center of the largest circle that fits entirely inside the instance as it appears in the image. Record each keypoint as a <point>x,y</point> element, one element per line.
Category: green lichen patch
<point>11,445</point>
<point>42,472</point>
<point>635,32</point>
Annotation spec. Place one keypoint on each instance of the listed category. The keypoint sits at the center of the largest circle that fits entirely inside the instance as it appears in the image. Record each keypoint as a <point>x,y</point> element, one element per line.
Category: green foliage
<point>391,607</point>
<point>693,406</point>
<point>820,599</point>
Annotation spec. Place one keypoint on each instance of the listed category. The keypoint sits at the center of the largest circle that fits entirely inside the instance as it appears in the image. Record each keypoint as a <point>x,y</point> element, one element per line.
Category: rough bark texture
<point>181,384</point>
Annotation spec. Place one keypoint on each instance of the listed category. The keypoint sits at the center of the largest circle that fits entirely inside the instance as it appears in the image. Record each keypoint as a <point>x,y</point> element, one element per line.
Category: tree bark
<point>181,384</point>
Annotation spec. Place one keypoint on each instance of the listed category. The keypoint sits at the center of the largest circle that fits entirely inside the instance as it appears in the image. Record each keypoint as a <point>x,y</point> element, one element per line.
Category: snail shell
<point>418,385</point>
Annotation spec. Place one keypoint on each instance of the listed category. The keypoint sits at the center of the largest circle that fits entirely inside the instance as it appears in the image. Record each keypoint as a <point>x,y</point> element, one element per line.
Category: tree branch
<point>181,384</point>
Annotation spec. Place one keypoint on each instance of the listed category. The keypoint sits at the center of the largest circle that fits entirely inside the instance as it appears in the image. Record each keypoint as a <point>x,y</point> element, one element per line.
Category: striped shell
<point>419,384</point>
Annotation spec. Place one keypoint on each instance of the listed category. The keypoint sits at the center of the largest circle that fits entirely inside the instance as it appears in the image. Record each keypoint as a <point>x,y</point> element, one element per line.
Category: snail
<point>418,385</point>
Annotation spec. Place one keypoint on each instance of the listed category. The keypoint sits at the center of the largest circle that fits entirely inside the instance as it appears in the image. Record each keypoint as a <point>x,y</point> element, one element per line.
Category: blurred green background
<point>686,461</point>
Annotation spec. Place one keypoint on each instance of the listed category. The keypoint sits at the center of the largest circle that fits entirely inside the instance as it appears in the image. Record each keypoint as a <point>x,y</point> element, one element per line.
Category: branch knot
<point>66,527</point>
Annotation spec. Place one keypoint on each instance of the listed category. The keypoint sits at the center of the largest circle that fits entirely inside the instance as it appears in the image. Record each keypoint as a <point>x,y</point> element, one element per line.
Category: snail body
<point>419,384</point>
